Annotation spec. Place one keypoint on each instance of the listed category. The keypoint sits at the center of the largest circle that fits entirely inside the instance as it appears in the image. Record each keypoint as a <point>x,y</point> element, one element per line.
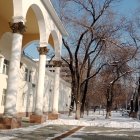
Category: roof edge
<point>48,5</point>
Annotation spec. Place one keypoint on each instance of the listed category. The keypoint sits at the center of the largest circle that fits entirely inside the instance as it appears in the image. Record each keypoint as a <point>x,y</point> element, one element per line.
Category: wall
<point>64,93</point>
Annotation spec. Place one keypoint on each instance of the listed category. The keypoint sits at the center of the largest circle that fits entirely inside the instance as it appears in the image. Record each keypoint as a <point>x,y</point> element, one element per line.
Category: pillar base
<point>53,116</point>
<point>10,123</point>
<point>37,118</point>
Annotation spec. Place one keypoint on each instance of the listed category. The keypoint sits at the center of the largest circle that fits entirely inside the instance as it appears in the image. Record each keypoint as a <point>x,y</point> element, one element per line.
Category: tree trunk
<point>136,107</point>
<point>136,104</point>
<point>132,108</point>
<point>87,108</point>
<point>82,111</point>
<point>83,104</point>
<point>78,107</point>
<point>85,91</point>
<point>109,101</point>
<point>71,105</point>
<point>72,97</point>
<point>131,104</point>
<point>108,109</point>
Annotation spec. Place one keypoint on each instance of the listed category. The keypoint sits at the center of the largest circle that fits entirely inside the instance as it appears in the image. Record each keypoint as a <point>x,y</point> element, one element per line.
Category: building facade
<point>23,81</point>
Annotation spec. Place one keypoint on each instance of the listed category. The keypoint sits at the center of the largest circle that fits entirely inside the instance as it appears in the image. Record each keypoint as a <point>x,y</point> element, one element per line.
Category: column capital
<point>57,63</point>
<point>42,50</point>
<point>17,27</point>
<point>16,19</point>
<point>42,44</point>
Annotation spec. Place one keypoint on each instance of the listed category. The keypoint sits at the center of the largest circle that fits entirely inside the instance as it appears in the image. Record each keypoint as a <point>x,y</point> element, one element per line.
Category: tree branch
<point>93,74</point>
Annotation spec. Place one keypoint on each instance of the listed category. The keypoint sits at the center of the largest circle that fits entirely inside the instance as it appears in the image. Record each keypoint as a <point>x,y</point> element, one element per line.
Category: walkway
<point>101,133</point>
<point>55,132</point>
<point>43,133</point>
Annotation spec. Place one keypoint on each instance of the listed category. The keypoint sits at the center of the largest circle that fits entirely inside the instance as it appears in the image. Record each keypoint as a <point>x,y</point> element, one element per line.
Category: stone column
<point>38,117</point>
<point>10,119</point>
<point>54,114</point>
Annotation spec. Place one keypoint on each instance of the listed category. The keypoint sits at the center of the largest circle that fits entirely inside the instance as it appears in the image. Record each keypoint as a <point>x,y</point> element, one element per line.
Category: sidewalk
<point>42,133</point>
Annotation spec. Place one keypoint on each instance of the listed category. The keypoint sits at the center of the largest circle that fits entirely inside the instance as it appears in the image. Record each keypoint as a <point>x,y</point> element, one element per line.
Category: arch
<point>46,32</point>
<point>29,43</point>
<point>31,47</point>
<point>21,9</point>
<point>56,42</point>
<point>55,38</point>
<point>41,22</point>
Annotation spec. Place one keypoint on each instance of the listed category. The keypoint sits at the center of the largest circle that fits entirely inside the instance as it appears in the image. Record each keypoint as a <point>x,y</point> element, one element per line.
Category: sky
<point>125,8</point>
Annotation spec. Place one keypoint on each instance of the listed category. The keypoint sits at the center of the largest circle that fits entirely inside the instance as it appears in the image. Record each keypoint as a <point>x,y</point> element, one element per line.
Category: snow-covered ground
<point>94,119</point>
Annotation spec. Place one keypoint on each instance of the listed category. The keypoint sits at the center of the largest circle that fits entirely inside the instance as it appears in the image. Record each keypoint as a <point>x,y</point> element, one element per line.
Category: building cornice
<point>48,5</point>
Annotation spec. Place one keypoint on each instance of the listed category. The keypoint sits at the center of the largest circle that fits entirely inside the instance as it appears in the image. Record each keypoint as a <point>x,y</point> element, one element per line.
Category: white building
<point>27,87</point>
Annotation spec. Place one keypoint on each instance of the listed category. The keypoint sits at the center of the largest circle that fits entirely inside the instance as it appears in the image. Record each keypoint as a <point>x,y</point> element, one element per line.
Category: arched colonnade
<point>31,20</point>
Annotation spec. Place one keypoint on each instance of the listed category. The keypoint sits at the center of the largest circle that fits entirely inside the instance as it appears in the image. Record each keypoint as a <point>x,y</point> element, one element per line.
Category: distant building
<point>65,72</point>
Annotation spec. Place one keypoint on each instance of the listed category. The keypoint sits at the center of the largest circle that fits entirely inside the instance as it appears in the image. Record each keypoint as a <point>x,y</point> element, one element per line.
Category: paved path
<point>102,133</point>
<point>55,132</point>
<point>47,132</point>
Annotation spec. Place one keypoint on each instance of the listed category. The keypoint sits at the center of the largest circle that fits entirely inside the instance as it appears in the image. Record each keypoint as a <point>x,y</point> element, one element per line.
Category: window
<point>52,70</point>
<point>21,64</point>
<point>26,74</point>
<point>30,76</point>
<point>3,97</point>
<point>33,85</point>
<point>23,98</point>
<point>5,67</point>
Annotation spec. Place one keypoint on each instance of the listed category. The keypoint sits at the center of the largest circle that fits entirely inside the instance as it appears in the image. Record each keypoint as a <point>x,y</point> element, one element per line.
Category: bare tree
<point>118,67</point>
<point>91,26</point>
